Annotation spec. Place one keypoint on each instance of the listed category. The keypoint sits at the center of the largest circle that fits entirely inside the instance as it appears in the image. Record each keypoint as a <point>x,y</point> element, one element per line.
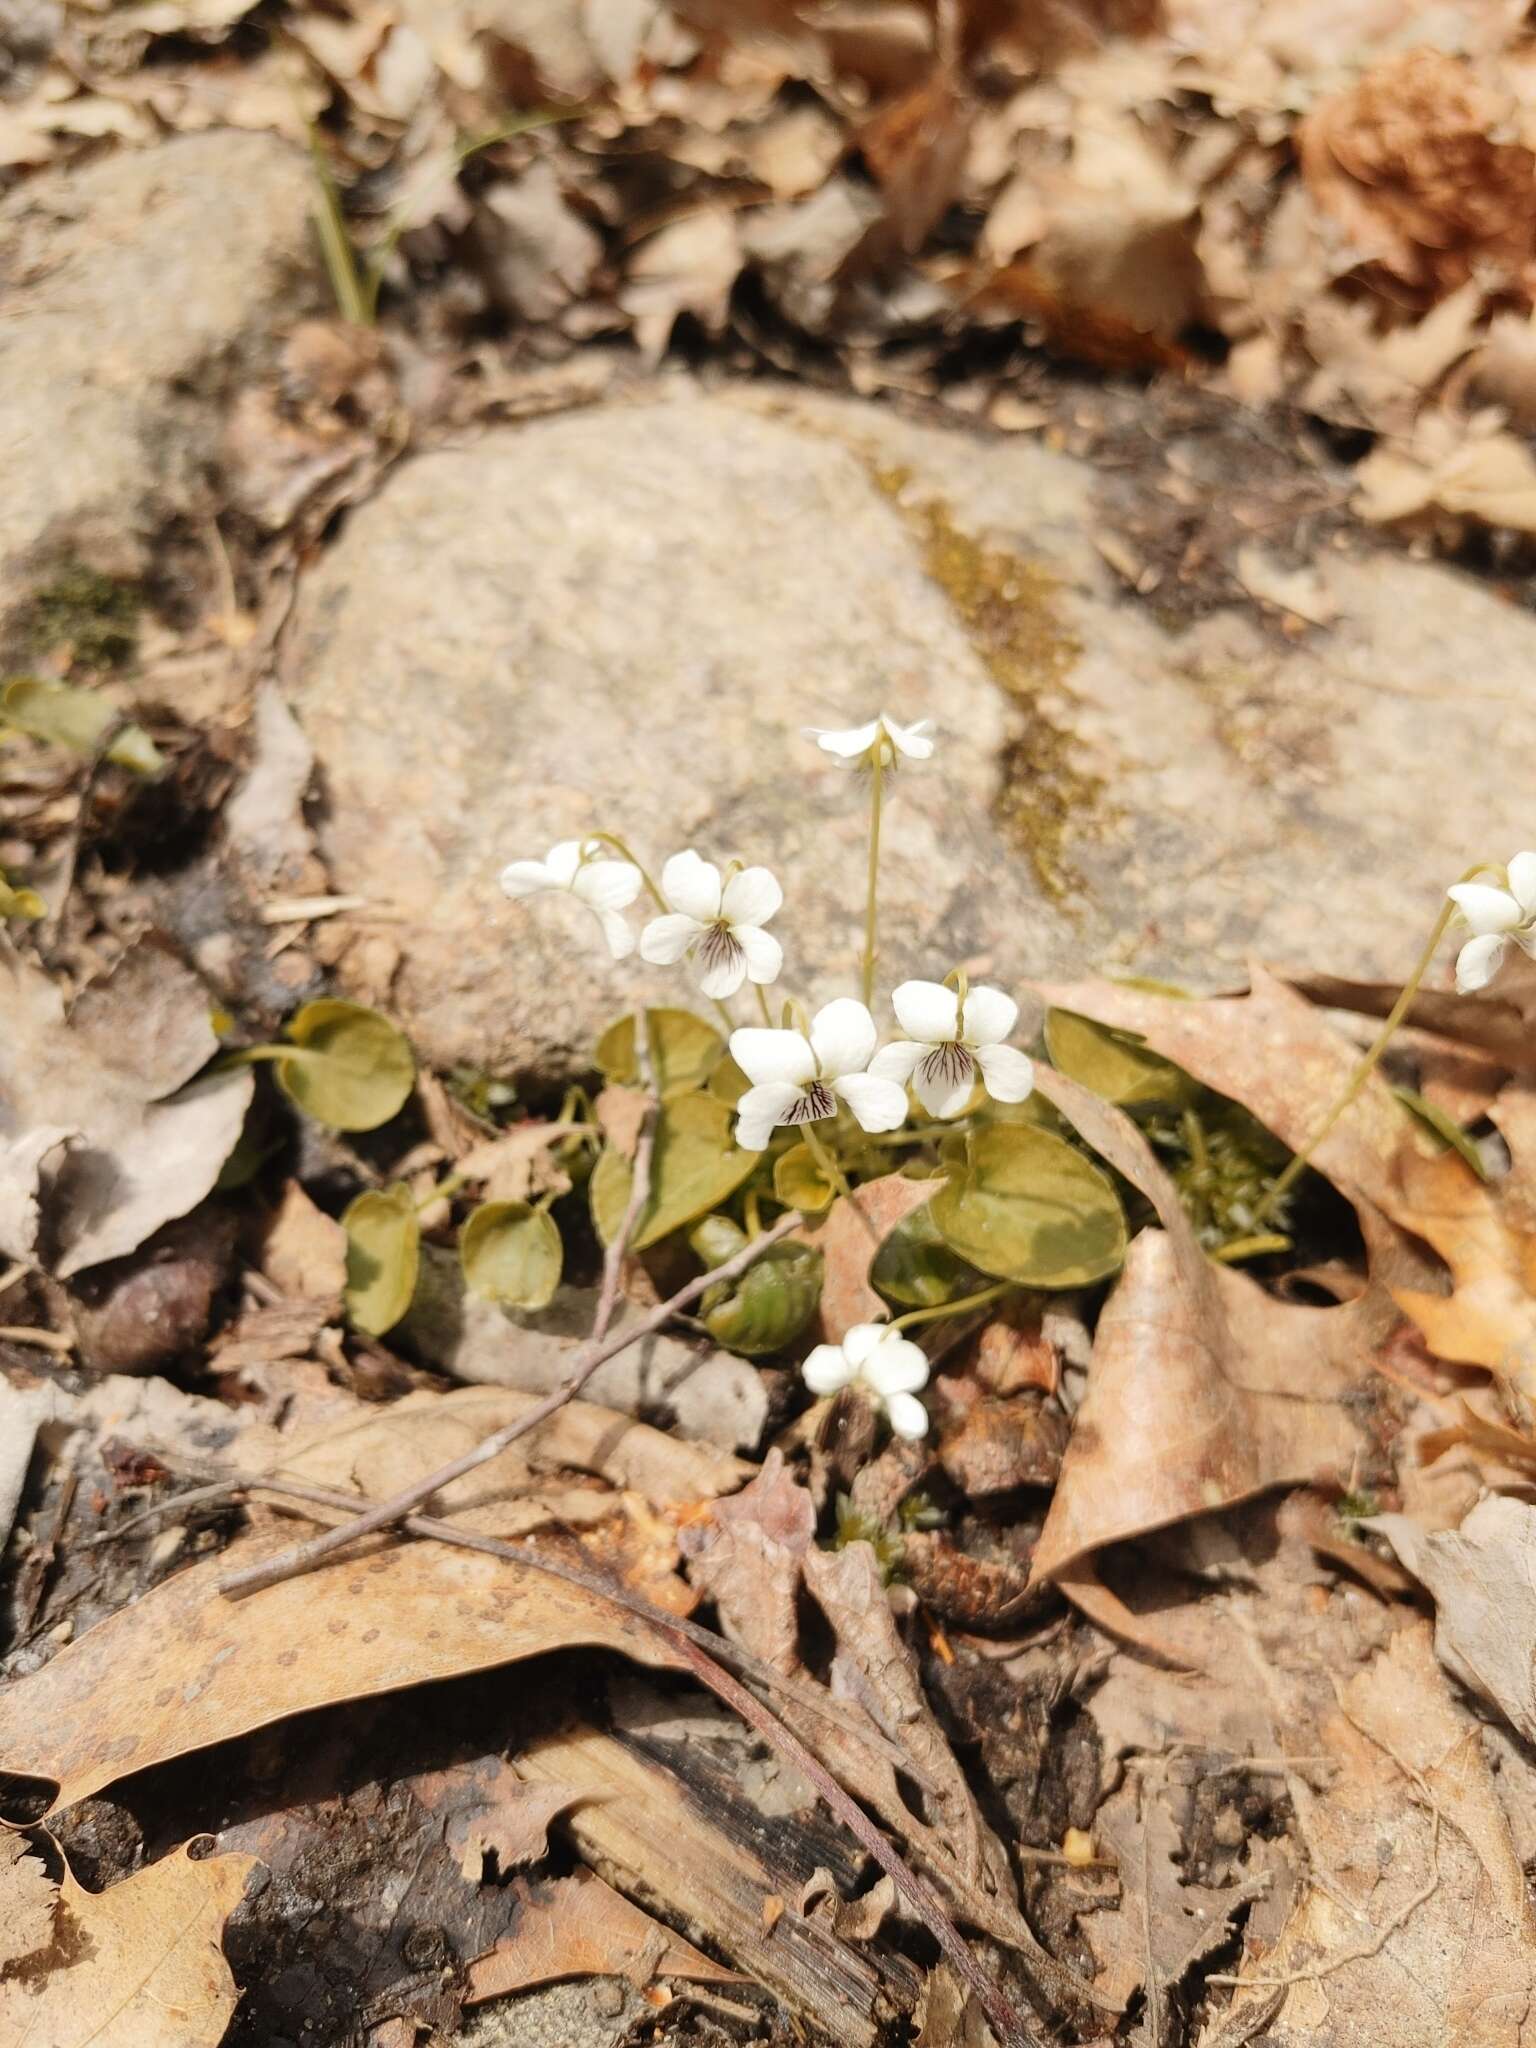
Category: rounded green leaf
<point>79,720</point>
<point>694,1168</point>
<point>1028,1206</point>
<point>511,1253</point>
<point>728,1083</point>
<point>716,1239</point>
<point>799,1183</point>
<point>684,1051</point>
<point>1116,1065</point>
<point>349,1067</point>
<point>769,1305</point>
<point>914,1266</point>
<point>383,1255</point>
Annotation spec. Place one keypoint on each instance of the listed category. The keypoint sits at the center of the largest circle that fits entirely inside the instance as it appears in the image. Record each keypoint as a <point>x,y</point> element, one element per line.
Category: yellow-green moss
<point>93,617</point>
<point>1010,610</point>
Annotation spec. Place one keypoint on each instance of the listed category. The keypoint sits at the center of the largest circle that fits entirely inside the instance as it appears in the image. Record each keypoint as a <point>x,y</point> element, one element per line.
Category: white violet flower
<point>945,1050</point>
<point>887,1365</point>
<point>797,1080</point>
<point>721,925</point>
<point>1494,917</point>
<point>605,886</point>
<point>893,739</point>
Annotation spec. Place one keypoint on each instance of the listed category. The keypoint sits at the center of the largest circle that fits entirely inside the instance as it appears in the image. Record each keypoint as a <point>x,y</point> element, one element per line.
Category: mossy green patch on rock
<point>91,617</point>
<point>1011,611</point>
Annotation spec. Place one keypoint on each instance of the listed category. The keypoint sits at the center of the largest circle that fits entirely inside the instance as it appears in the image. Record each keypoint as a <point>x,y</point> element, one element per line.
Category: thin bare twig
<point>592,1355</point>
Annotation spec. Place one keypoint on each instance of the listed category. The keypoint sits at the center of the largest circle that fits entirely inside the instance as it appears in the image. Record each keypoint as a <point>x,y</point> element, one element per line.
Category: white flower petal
<point>847,745</point>
<point>1485,910</point>
<point>1479,961</point>
<point>751,897</point>
<point>862,1340</point>
<point>563,861</point>
<point>621,940</point>
<point>765,956</point>
<point>927,1010</point>
<point>721,968</point>
<point>827,1369</point>
<point>1007,1073</point>
<point>607,884</point>
<point>1522,881</point>
<point>843,1036</point>
<point>527,878</point>
<point>908,1417</point>
<point>989,1016</point>
<point>896,1366</point>
<point>945,1080</point>
<point>760,1112</point>
<point>896,1061</point>
<point>692,886</point>
<point>666,939</point>
<point>879,1105</point>
<point>765,1055</point>
<point>912,740</point>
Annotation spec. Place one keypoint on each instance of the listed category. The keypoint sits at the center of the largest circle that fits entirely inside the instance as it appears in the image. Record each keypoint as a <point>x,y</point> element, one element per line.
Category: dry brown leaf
<point>28,1899</point>
<point>1272,1052</point>
<point>689,266</point>
<point>1499,1022</point>
<point>304,1251</point>
<point>580,1927</point>
<point>1464,468</point>
<point>1186,1413</point>
<point>104,1086</point>
<point>139,1966</point>
<point>489,1812</point>
<point>746,1556</point>
<point>1483,1578</point>
<point>848,1237</point>
<point>186,1667</point>
<point>264,824</point>
<point>1489,1317</point>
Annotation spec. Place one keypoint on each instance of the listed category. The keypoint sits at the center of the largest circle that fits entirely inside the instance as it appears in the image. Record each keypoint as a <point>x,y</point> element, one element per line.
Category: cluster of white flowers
<point>1496,918</point>
<point>951,1040</point>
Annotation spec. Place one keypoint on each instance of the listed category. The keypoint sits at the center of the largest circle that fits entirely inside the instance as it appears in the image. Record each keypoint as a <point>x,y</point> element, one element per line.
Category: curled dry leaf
<point>139,1966</point>
<point>746,1556</point>
<point>1483,1578</point>
<point>103,1086</point>
<point>580,1927</point>
<point>1489,1317</point>
<point>1273,1053</point>
<point>186,1667</point>
<point>304,1251</point>
<point>848,1238</point>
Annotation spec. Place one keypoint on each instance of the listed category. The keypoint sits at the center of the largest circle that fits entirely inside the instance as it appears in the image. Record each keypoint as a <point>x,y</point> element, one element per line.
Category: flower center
<point>950,1063</point>
<point>817,1102</point>
<point>719,946</point>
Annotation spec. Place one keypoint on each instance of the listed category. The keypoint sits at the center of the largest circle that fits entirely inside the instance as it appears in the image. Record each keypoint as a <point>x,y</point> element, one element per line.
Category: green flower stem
<point>823,1156</point>
<point>762,1004</point>
<point>1369,1060</point>
<point>445,1191</point>
<point>872,899</point>
<point>1251,1247</point>
<point>954,1308</point>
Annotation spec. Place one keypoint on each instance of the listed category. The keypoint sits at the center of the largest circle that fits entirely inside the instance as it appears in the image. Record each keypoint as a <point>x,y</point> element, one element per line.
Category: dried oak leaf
<point>139,1966</point>
<point>28,1899</point>
<point>489,1811</point>
<point>849,1236</point>
<point>1483,1578</point>
<point>1489,1317</point>
<point>1416,163</point>
<point>746,1555</point>
<point>580,1927</point>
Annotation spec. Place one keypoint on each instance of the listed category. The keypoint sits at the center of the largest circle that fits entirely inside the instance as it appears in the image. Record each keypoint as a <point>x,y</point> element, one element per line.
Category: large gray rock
<point>622,618</point>
<point>132,291</point>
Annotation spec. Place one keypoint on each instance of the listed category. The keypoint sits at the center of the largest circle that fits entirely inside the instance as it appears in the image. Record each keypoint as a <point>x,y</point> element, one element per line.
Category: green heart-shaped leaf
<point>383,1257</point>
<point>511,1253</point>
<point>684,1051</point>
<point>914,1266</point>
<point>1028,1206</point>
<point>79,720</point>
<point>348,1067</point>
<point>694,1168</point>
<point>1117,1065</point>
<point>799,1183</point>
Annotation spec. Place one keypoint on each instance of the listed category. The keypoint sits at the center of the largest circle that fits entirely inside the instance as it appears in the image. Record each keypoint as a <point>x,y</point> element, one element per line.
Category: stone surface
<point>621,618</point>
<point>131,289</point>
